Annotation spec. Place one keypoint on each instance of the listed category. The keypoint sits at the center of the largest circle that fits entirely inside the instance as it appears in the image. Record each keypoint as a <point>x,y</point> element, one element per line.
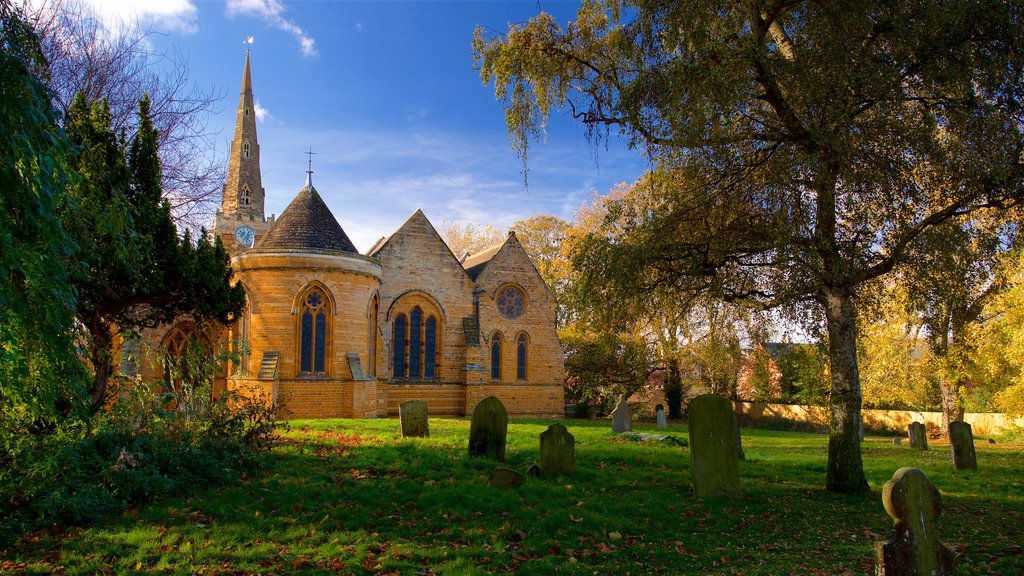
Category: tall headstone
<point>557,452</point>
<point>413,414</point>
<point>659,416</point>
<point>622,420</point>
<point>715,466</point>
<point>918,435</point>
<point>914,548</point>
<point>961,441</point>
<point>488,429</point>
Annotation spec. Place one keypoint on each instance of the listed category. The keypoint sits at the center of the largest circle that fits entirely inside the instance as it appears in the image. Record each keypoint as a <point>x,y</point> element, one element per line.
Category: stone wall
<point>981,423</point>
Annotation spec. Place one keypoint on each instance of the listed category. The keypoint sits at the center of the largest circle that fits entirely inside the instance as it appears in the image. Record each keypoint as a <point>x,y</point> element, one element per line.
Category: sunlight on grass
<point>354,497</point>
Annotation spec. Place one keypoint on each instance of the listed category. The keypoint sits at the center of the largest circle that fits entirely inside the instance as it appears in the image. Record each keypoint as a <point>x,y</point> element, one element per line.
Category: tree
<point>85,57</point>
<point>38,367</point>
<point>542,236</point>
<point>804,369</point>
<point>135,272</point>
<point>792,143</point>
<point>759,379</point>
<point>463,238</point>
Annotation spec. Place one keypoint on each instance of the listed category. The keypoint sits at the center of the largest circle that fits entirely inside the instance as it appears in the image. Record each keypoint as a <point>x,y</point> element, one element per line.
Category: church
<point>332,332</point>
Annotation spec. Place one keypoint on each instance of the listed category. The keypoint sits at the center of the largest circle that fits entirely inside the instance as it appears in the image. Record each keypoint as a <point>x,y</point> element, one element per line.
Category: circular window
<point>511,302</point>
<point>314,300</point>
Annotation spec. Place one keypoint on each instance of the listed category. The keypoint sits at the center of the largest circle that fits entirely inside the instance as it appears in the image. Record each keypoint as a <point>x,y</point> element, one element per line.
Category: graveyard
<point>357,497</point>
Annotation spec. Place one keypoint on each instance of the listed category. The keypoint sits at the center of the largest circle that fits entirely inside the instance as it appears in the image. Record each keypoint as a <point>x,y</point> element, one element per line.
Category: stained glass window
<point>415,352</point>
<point>430,347</point>
<point>398,346</point>
<point>511,302</point>
<point>496,357</point>
<point>313,333</point>
<point>521,358</point>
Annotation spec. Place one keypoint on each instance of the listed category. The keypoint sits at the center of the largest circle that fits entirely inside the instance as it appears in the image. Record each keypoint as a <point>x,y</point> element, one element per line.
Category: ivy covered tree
<point>38,366</point>
<point>794,141</point>
<point>135,271</point>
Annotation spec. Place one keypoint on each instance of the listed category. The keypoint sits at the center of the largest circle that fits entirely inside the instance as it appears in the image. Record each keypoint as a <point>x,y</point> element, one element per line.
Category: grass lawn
<point>353,497</point>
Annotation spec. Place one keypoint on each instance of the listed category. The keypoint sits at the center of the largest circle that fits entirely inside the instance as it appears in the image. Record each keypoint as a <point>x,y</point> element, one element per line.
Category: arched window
<point>244,197</point>
<point>415,352</point>
<point>496,357</point>
<point>398,346</point>
<point>245,150</point>
<point>521,357</point>
<point>430,347</point>
<point>371,370</point>
<point>313,340</point>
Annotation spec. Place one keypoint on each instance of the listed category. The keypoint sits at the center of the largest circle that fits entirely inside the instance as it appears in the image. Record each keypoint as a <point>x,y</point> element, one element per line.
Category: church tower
<point>240,220</point>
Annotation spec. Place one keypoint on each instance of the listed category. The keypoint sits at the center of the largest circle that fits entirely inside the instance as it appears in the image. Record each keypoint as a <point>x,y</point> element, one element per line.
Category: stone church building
<point>332,332</point>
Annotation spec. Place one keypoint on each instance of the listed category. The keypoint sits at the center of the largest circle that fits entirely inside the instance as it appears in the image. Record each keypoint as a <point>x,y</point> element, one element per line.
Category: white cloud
<point>165,15</point>
<point>262,114</point>
<point>272,12</point>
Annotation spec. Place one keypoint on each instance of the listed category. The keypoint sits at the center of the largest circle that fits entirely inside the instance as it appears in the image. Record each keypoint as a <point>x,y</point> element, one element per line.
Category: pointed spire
<point>246,78</point>
<point>243,196</point>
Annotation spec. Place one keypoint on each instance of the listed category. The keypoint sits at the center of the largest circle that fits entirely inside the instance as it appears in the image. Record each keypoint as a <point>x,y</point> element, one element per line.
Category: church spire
<point>243,195</point>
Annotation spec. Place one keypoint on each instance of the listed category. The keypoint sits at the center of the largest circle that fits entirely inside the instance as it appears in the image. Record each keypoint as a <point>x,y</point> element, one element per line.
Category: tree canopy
<point>798,146</point>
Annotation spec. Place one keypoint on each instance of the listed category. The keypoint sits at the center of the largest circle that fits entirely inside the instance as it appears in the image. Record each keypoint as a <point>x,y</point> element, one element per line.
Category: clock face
<point>245,236</point>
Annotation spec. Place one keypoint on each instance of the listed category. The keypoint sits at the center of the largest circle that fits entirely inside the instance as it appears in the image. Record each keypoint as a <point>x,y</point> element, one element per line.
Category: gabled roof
<point>478,262</point>
<point>307,225</point>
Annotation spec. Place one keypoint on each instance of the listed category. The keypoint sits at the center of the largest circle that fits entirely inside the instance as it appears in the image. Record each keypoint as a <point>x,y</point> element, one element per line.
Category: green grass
<point>353,497</point>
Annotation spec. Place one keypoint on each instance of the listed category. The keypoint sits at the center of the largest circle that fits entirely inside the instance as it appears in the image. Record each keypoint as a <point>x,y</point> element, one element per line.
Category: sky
<point>386,95</point>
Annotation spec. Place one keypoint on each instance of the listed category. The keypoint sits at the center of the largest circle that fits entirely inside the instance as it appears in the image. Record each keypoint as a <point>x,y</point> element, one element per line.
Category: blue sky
<point>386,95</point>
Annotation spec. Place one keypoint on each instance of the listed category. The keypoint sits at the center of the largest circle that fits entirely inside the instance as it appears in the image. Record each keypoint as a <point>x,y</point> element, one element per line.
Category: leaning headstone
<point>918,435</point>
<point>659,416</point>
<point>622,420</point>
<point>505,477</point>
<point>533,471</point>
<point>897,441</point>
<point>488,429</point>
<point>413,414</point>
<point>716,470</point>
<point>914,548</point>
<point>557,452</point>
<point>961,440</point>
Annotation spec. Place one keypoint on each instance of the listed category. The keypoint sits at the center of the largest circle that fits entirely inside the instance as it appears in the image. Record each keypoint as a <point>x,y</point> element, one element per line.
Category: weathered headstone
<point>914,548</point>
<point>918,435</point>
<point>622,420</point>
<point>659,416</point>
<point>897,441</point>
<point>557,452</point>
<point>533,471</point>
<point>715,465</point>
<point>488,429</point>
<point>505,477</point>
<point>961,440</point>
<point>413,414</point>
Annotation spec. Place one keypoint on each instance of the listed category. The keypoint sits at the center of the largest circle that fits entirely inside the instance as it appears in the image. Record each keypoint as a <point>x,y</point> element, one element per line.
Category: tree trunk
<point>952,405</point>
<point>101,356</point>
<point>845,466</point>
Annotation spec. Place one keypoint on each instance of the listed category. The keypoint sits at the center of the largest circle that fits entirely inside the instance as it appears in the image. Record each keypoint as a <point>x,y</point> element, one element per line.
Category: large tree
<point>794,141</point>
<point>38,365</point>
<point>135,272</point>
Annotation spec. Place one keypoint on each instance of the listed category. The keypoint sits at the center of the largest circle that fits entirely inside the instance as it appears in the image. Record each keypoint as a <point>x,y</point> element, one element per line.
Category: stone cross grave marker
<point>622,420</point>
<point>557,452</point>
<point>914,548</point>
<point>659,416</point>
<point>488,430</point>
<point>918,435</point>
<point>413,414</point>
<point>715,465</point>
<point>961,441</point>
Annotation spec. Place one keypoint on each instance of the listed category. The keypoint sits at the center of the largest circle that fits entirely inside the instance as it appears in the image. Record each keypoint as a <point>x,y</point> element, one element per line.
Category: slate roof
<point>476,263</point>
<point>307,225</point>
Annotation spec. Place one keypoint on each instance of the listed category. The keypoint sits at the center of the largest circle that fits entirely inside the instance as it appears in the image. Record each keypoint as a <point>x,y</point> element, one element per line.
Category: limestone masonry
<point>335,333</point>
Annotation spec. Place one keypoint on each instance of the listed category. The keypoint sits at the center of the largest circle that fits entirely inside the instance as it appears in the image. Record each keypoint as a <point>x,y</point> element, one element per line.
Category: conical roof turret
<point>307,225</point>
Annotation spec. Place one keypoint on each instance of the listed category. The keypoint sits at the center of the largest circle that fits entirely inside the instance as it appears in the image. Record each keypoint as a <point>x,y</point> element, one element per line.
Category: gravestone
<point>918,435</point>
<point>897,441</point>
<point>622,420</point>
<point>961,440</point>
<point>533,471</point>
<point>715,464</point>
<point>488,429</point>
<point>505,477</point>
<point>659,416</point>
<point>557,452</point>
<point>914,548</point>
<point>413,414</point>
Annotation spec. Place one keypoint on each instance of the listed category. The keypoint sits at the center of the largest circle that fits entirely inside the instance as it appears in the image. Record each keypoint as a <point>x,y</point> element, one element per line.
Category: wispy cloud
<point>165,16</point>
<point>272,12</point>
<point>262,114</point>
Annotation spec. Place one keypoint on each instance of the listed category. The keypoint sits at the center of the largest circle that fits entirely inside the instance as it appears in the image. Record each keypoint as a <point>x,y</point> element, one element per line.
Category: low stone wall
<point>981,423</point>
